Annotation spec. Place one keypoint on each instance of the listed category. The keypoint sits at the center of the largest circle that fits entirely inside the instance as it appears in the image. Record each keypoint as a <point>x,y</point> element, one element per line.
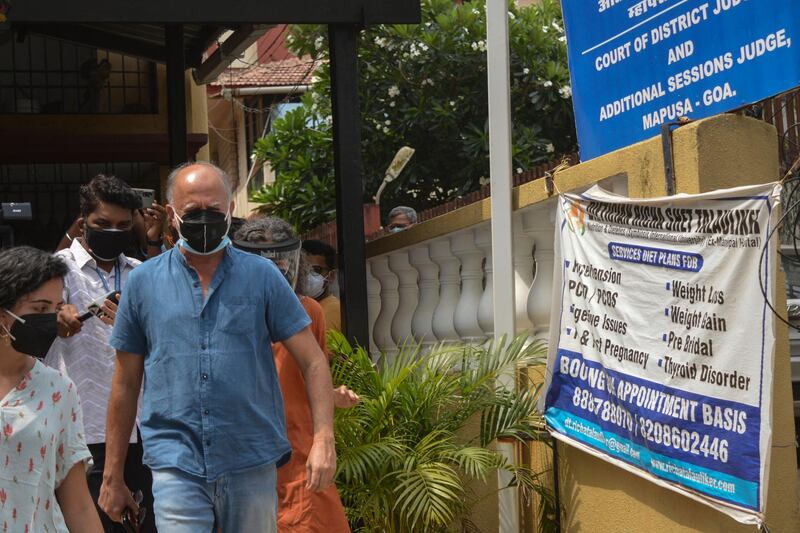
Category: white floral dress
<point>41,440</point>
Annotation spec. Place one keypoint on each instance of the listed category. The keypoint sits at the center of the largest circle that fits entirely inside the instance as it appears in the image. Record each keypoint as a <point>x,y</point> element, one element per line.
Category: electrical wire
<point>792,209</point>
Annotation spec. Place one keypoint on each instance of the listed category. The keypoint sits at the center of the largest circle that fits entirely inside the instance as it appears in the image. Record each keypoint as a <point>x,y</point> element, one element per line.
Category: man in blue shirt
<point>197,323</point>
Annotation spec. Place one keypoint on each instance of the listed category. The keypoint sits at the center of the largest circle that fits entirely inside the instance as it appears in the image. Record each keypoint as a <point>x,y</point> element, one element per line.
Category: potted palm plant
<point>410,451</point>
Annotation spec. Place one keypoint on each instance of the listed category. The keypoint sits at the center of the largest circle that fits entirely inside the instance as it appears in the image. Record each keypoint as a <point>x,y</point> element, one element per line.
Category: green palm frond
<point>430,494</point>
<point>357,464</point>
<point>408,450</point>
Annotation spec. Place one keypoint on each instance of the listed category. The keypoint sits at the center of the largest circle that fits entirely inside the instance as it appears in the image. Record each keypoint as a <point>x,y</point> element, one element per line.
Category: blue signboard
<point>636,64</point>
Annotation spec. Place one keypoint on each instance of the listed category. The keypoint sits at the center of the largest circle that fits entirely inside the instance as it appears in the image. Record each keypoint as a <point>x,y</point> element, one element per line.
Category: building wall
<point>596,496</point>
<point>721,152</point>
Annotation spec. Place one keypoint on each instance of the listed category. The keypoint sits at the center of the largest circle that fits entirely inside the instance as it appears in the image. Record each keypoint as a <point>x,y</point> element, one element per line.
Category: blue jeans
<point>245,501</point>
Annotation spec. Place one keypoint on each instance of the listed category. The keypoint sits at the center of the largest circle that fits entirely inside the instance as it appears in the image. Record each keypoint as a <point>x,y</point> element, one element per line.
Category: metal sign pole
<point>502,184</point>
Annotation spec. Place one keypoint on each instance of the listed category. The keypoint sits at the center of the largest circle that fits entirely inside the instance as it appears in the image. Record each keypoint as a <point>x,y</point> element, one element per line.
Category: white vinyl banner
<point>661,343</point>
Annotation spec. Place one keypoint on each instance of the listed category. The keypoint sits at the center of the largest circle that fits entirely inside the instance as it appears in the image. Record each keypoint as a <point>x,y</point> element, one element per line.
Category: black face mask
<point>107,244</point>
<point>36,335</point>
<point>203,230</point>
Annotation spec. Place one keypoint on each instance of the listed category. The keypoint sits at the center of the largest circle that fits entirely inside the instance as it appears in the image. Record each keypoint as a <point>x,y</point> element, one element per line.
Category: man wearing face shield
<point>97,266</point>
<point>298,509</point>
<point>197,323</point>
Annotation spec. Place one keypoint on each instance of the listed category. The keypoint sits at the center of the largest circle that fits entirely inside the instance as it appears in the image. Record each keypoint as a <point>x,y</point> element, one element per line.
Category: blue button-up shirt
<point>211,403</point>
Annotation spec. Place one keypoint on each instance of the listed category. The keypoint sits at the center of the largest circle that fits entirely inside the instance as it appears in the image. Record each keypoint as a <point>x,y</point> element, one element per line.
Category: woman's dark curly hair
<point>110,190</point>
<point>23,270</point>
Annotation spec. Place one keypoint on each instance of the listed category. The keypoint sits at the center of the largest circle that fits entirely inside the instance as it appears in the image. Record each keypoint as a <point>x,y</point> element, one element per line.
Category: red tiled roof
<point>287,72</point>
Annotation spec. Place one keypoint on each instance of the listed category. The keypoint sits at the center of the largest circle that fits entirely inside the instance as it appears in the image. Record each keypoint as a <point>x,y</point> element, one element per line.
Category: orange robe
<point>299,509</point>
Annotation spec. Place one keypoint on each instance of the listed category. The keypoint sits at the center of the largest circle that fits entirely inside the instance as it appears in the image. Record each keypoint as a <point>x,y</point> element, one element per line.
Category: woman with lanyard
<point>97,268</point>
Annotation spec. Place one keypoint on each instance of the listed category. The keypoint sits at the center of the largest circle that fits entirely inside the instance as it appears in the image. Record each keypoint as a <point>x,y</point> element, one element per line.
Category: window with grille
<point>40,74</point>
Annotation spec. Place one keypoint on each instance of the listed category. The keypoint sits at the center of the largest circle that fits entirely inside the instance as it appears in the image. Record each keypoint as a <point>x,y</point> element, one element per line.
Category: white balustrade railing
<point>449,290</point>
<point>539,225</point>
<point>422,321</point>
<point>390,300</point>
<point>440,291</point>
<point>373,305</point>
<point>409,297</point>
<point>466,315</point>
<point>483,239</point>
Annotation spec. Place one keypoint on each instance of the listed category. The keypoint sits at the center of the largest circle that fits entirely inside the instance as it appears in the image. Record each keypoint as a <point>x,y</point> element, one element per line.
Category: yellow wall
<point>196,120</point>
<point>719,152</point>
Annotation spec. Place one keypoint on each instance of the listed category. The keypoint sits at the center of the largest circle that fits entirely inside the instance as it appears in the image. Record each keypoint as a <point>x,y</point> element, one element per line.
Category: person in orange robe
<point>300,510</point>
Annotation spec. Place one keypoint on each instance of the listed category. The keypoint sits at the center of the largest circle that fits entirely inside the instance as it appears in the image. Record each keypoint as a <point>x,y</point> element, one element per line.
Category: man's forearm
<point>319,388</point>
<point>121,418</point>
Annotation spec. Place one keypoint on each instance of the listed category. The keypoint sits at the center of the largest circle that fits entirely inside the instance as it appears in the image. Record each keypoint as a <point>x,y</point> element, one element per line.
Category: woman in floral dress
<point>43,453</point>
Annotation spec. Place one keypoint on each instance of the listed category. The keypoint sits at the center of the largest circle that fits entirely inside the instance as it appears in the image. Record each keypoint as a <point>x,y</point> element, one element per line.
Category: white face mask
<point>315,285</point>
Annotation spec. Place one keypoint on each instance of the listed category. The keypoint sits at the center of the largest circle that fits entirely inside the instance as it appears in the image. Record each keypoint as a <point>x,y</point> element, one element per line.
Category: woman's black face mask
<point>33,334</point>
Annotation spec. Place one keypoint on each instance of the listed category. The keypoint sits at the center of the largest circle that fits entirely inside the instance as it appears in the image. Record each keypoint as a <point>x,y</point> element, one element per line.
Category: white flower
<point>380,41</point>
<point>556,27</point>
<point>318,42</point>
<point>388,122</point>
<point>394,91</point>
<point>424,47</point>
<point>519,170</point>
<point>511,16</point>
<point>562,39</point>
<point>391,104</point>
<point>483,181</point>
<point>386,130</point>
<point>547,83</point>
<point>482,46</point>
<point>545,29</point>
<point>453,103</point>
<point>550,148</point>
<point>315,79</point>
<point>474,46</point>
<point>565,91</point>
<point>526,71</point>
<point>253,156</point>
<point>427,81</point>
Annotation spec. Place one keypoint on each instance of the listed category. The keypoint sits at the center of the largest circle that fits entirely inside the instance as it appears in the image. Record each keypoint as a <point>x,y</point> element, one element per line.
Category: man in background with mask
<point>401,218</point>
<point>197,323</point>
<point>96,266</point>
<point>322,259</point>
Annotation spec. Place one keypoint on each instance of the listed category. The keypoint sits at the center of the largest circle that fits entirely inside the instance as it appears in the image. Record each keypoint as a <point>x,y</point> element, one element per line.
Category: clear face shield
<point>285,255</point>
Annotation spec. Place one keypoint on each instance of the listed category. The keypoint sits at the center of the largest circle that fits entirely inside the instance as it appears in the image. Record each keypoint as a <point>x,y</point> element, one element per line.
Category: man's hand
<point>68,323</point>
<point>115,498</point>
<point>321,464</point>
<point>108,313</point>
<point>154,221</point>
<point>344,398</point>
